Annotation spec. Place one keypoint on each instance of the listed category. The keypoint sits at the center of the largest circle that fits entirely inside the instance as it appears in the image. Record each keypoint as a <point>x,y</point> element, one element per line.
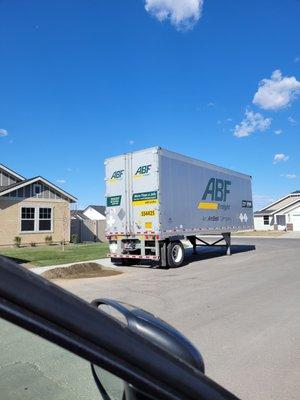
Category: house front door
<point>281,222</point>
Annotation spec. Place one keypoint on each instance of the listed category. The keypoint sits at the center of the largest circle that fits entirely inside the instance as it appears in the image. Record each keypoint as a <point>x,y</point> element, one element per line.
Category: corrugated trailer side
<point>201,198</point>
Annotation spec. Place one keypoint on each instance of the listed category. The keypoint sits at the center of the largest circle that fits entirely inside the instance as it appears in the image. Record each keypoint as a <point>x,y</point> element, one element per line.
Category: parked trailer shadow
<point>206,252</point>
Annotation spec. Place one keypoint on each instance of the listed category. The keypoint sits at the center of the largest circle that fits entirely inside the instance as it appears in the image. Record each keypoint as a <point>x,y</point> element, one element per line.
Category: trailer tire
<point>175,254</point>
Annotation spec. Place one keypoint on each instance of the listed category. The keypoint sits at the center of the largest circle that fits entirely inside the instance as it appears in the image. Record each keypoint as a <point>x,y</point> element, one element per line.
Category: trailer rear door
<point>117,221</point>
<point>144,189</point>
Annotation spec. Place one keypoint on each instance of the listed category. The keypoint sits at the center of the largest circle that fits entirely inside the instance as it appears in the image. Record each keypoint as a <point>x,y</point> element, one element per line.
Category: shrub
<point>32,244</point>
<point>48,240</point>
<point>17,241</point>
<point>74,238</point>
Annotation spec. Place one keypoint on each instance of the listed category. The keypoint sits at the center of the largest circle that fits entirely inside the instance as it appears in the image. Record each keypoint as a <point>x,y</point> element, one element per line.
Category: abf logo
<point>142,171</point>
<point>217,190</point>
<point>116,176</point>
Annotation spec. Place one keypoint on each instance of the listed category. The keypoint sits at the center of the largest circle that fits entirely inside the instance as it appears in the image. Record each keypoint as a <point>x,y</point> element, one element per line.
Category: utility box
<point>163,195</point>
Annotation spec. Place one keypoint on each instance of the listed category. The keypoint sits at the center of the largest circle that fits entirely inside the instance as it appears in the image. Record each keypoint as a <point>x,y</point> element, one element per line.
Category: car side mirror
<point>152,329</point>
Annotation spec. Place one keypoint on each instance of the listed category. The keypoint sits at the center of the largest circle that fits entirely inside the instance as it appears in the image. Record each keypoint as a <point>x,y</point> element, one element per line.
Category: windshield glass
<point>31,368</point>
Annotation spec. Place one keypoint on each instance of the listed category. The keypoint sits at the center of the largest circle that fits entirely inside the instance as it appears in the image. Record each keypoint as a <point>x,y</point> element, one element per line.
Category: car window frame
<point>39,306</point>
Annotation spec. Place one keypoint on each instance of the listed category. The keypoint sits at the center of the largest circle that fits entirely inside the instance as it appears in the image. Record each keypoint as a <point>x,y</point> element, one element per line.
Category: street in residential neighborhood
<point>247,329</point>
<point>149,200</point>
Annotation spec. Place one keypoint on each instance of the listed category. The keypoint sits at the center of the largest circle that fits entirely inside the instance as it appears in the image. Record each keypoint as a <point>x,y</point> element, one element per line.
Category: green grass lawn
<point>41,256</point>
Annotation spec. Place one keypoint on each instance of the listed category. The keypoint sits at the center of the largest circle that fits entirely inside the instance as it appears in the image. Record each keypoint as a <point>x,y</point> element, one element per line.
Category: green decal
<point>113,201</point>
<point>144,196</point>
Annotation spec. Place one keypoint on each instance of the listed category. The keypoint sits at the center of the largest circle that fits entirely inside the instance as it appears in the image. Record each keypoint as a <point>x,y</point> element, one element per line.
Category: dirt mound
<point>82,270</point>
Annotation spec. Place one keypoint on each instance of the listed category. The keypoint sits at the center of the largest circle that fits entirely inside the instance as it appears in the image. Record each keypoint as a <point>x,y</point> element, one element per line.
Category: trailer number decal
<point>145,198</point>
<point>247,203</point>
<point>148,213</point>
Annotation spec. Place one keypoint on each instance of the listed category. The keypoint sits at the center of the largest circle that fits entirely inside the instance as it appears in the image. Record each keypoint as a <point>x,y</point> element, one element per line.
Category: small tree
<point>17,241</point>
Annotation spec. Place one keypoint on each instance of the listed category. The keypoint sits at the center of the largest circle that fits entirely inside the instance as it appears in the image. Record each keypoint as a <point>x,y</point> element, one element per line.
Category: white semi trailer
<point>156,198</point>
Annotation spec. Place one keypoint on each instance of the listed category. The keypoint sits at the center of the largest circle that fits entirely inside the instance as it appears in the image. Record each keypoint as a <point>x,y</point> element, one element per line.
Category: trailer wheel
<point>175,254</point>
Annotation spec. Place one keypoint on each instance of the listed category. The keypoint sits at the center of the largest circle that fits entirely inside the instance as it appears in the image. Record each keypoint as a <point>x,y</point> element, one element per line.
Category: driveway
<point>242,312</point>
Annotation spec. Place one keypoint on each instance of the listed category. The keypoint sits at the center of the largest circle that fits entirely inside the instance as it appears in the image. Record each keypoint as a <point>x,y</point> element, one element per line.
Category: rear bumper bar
<point>133,256</point>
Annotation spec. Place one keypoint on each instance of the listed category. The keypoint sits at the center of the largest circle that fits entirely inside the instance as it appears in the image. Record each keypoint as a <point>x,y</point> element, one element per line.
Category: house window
<point>36,219</point>
<point>27,219</point>
<point>37,189</point>
<point>266,220</point>
<point>45,219</point>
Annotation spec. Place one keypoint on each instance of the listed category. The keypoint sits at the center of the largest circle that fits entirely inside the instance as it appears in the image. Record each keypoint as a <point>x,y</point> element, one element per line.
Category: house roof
<point>78,214</point>
<point>7,189</point>
<point>280,204</point>
<point>13,186</point>
<point>11,172</point>
<point>100,209</point>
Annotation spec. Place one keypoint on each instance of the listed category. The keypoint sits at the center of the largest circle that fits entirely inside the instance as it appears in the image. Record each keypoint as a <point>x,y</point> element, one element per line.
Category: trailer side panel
<point>198,197</point>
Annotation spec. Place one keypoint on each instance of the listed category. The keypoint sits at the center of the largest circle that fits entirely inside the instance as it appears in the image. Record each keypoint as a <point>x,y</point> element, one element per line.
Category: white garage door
<point>296,222</point>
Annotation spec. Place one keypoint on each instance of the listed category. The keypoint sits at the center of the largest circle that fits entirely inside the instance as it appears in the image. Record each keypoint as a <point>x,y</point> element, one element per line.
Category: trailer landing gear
<point>225,236</point>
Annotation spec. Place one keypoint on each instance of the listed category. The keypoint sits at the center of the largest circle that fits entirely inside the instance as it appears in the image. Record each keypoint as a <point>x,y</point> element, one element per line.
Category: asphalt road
<point>242,312</point>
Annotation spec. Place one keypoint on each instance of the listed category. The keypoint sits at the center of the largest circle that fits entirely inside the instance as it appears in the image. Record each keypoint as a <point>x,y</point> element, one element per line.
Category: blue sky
<point>82,80</point>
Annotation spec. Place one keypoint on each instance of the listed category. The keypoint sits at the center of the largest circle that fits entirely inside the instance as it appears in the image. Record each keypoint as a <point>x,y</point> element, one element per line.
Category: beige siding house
<point>283,214</point>
<point>32,209</point>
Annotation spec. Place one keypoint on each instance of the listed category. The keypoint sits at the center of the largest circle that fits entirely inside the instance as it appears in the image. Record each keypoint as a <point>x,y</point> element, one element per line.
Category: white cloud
<point>251,123</point>
<point>278,131</point>
<point>289,176</point>
<point>292,121</point>
<point>210,104</point>
<point>183,14</point>
<point>131,142</point>
<point>61,181</point>
<point>277,92</point>
<point>3,132</point>
<point>280,157</point>
<point>297,59</point>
